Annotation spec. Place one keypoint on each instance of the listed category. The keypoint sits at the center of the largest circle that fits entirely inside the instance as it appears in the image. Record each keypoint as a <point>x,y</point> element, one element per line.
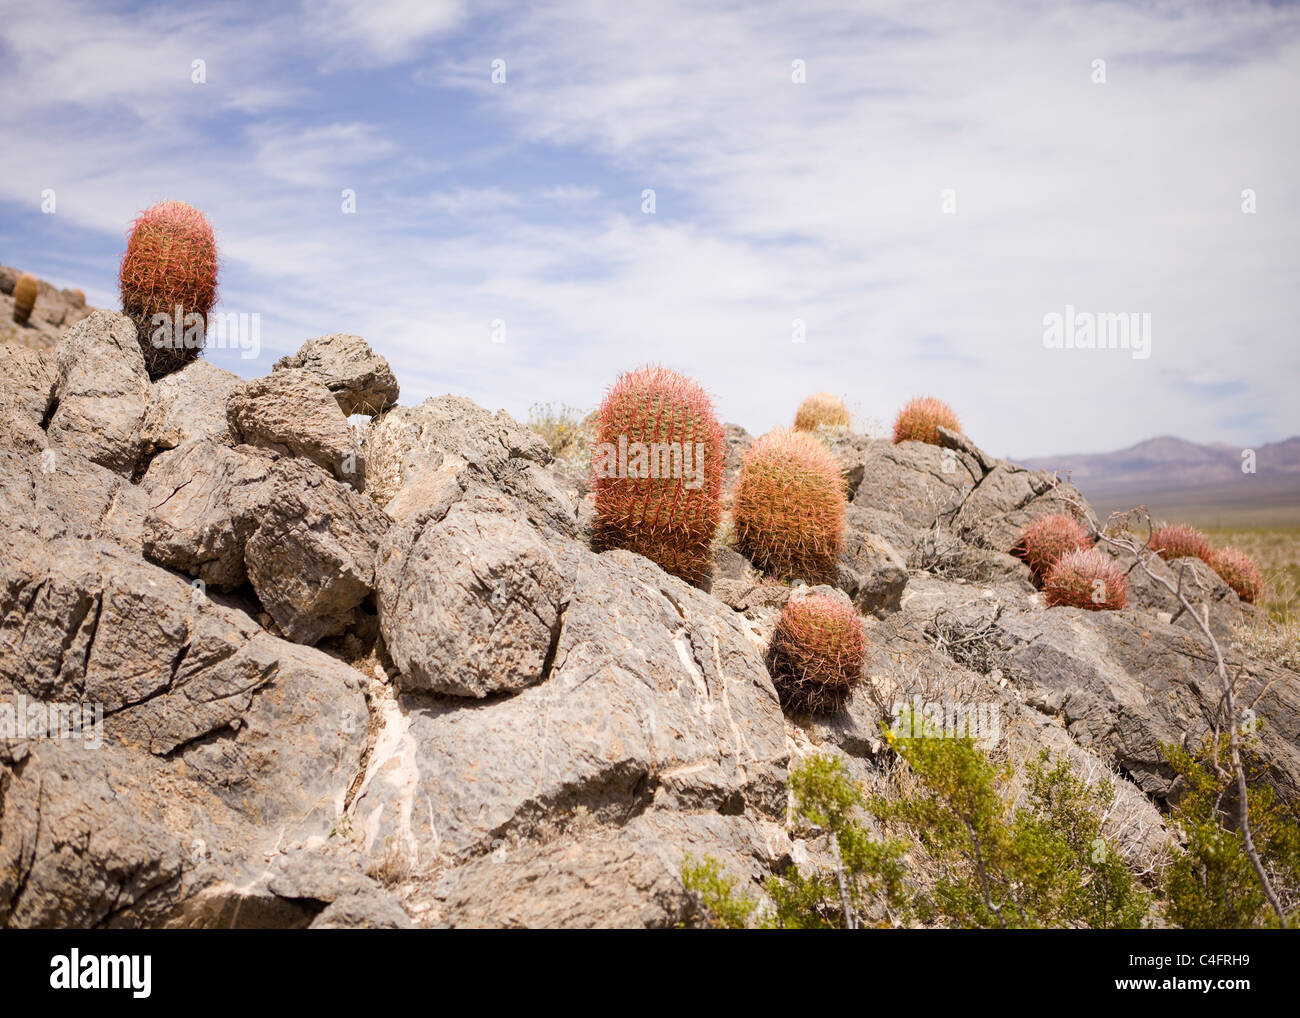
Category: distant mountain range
<point>1202,484</point>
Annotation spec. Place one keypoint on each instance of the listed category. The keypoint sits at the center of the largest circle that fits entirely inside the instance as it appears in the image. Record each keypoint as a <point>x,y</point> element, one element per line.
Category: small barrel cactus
<point>1177,540</point>
<point>819,410</point>
<point>78,297</point>
<point>25,291</point>
<point>657,464</point>
<point>1047,539</point>
<point>788,509</point>
<point>817,653</point>
<point>920,420</point>
<point>1240,572</point>
<point>170,268</point>
<point>1086,578</point>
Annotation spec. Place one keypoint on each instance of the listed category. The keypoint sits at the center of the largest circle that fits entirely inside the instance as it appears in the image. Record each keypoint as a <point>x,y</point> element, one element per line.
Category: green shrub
<point>1212,884</point>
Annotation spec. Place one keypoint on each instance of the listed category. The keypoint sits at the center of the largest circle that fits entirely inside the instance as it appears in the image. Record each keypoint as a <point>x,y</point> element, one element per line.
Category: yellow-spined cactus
<point>25,291</point>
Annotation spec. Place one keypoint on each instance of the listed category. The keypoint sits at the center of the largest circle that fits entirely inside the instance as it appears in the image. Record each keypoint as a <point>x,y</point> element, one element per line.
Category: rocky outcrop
<point>501,726</point>
<point>359,379</point>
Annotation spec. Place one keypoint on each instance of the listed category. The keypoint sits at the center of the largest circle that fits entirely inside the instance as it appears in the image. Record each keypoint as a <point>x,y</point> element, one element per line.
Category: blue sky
<point>774,200</point>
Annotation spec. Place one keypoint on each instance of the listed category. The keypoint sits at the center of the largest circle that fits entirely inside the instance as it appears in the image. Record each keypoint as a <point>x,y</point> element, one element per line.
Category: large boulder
<point>56,493</point>
<point>656,698</point>
<point>292,413</point>
<point>273,729</point>
<point>916,482</point>
<point>189,405</point>
<point>311,557</point>
<point>204,501</point>
<point>26,396</point>
<point>414,453</point>
<point>359,378</point>
<point>869,570</point>
<point>470,599</point>
<point>100,392</point>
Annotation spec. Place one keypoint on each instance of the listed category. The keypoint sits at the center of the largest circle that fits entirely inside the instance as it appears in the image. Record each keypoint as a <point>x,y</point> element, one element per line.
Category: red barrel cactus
<point>1086,578</point>
<point>920,420</point>
<point>1047,539</point>
<point>170,268</point>
<point>1240,572</point>
<point>788,508</point>
<point>817,653</point>
<point>657,460</point>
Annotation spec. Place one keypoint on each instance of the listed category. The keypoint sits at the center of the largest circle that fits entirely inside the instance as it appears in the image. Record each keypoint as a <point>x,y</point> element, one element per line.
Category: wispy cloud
<point>774,201</point>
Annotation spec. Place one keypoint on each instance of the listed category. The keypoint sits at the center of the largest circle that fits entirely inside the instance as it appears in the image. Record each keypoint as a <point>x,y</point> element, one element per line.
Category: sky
<point>880,200</point>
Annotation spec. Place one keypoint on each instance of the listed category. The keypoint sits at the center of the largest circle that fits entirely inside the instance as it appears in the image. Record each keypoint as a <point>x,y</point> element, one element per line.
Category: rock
<point>656,697</point>
<point>100,392</point>
<point>311,557</point>
<point>916,482</point>
<point>624,879</point>
<point>205,501</point>
<point>75,849</point>
<point>359,379</point>
<point>188,405</point>
<point>414,453</point>
<point>55,493</point>
<point>26,393</point>
<point>869,570</point>
<point>1202,584</point>
<point>729,564</point>
<point>939,551</point>
<point>736,440</point>
<point>470,599</point>
<point>847,448</point>
<point>273,729</point>
<point>1007,500</point>
<point>292,413</point>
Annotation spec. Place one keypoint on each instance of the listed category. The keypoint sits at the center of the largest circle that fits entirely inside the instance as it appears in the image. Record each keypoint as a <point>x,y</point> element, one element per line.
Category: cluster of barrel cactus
<point>169,269</point>
<point>1047,539</point>
<point>1237,569</point>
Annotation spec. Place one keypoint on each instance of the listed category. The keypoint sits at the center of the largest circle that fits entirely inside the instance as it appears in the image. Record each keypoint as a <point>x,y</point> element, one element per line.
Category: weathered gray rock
<point>939,551</point>
<point>869,570</point>
<point>292,413</point>
<point>189,405</point>
<point>359,379</point>
<point>1213,598</point>
<point>656,697</point>
<point>26,393</point>
<point>624,879</point>
<point>470,599</point>
<point>100,392</point>
<point>274,729</point>
<point>311,555</point>
<point>915,481</point>
<point>55,493</point>
<point>847,448</point>
<point>1007,500</point>
<point>736,440</point>
<point>415,453</point>
<point>204,502</point>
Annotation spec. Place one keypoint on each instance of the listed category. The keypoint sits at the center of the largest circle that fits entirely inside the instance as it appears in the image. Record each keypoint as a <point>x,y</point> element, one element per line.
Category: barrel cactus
<point>817,653</point>
<point>1177,540</point>
<point>170,268</point>
<point>1086,578</point>
<point>25,291</point>
<point>657,464</point>
<point>788,509</point>
<point>821,410</point>
<point>1240,572</point>
<point>1047,539</point>
<point>920,420</point>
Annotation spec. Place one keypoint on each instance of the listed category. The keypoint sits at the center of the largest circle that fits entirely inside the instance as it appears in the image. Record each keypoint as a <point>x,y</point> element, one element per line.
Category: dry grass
<point>568,431</point>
